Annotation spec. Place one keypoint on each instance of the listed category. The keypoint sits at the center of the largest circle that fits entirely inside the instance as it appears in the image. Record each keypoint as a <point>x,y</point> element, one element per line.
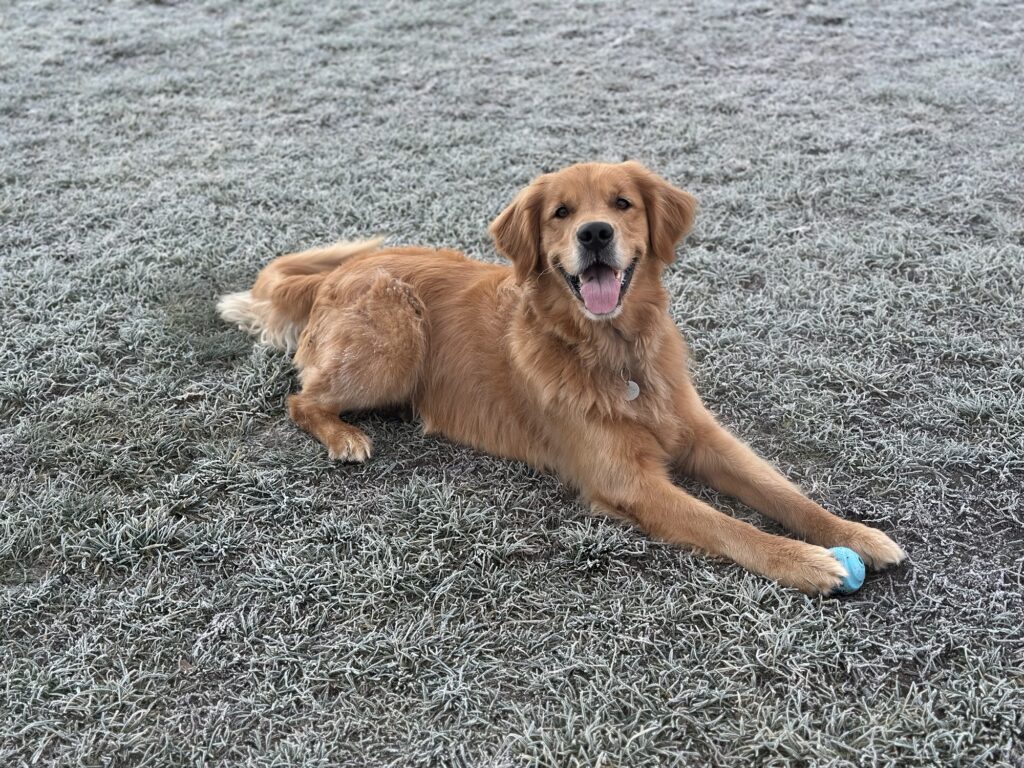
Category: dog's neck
<point>586,363</point>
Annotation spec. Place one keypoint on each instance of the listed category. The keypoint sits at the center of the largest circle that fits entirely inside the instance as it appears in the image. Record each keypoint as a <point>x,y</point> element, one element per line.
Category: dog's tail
<point>278,305</point>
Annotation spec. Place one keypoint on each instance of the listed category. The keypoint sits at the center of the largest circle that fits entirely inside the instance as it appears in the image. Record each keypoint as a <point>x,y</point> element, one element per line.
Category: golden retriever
<point>568,361</point>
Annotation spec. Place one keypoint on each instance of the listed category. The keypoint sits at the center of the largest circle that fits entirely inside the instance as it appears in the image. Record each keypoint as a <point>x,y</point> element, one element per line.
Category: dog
<point>566,360</point>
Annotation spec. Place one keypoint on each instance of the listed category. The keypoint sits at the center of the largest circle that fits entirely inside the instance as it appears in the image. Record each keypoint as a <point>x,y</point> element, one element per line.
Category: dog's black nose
<point>595,235</point>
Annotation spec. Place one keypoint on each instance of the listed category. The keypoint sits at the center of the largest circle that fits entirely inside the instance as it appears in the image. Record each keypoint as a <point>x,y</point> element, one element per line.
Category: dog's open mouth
<point>600,287</point>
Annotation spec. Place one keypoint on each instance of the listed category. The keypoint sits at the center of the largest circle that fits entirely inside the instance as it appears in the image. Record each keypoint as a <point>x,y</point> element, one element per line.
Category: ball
<point>854,566</point>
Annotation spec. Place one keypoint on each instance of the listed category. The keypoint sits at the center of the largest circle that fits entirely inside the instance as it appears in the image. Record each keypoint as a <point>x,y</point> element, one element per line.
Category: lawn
<point>187,579</point>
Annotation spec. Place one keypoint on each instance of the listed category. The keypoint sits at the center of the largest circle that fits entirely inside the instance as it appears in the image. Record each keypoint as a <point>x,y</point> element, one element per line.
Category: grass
<point>188,580</point>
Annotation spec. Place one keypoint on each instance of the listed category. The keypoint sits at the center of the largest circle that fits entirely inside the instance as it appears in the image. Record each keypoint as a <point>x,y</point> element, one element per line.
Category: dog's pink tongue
<point>600,289</point>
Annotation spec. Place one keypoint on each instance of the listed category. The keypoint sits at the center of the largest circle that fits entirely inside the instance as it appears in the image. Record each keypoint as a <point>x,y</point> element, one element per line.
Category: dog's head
<point>594,228</point>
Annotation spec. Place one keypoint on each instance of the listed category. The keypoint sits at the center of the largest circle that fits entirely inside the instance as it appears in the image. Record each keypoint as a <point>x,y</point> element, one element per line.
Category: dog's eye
<point>622,203</point>
<point>561,212</point>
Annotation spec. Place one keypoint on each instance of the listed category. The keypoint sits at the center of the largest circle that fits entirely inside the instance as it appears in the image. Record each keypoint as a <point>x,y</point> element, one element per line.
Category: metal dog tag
<point>632,390</point>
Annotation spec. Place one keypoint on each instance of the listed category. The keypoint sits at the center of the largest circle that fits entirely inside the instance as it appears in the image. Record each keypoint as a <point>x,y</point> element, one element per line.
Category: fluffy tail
<point>278,306</point>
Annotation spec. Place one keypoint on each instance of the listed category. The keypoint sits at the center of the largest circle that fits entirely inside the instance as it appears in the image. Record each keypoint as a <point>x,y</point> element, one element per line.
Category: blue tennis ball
<point>854,566</point>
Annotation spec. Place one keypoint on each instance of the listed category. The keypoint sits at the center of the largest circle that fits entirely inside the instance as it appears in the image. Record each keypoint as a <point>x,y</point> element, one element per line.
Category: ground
<point>188,579</point>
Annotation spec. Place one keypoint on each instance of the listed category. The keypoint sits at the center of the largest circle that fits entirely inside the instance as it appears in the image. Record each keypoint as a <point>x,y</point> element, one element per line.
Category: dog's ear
<point>670,211</point>
<point>516,232</point>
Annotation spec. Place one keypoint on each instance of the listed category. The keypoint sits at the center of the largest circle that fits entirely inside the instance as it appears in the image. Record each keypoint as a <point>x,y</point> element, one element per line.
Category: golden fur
<point>511,362</point>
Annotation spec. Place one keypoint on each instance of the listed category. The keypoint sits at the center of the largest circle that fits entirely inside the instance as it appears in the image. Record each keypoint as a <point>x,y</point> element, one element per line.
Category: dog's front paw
<point>875,548</point>
<point>809,568</point>
<point>350,445</point>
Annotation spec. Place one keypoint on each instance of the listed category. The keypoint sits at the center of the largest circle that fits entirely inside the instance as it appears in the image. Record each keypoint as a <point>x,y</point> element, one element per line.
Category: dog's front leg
<point>666,512</point>
<point>725,463</point>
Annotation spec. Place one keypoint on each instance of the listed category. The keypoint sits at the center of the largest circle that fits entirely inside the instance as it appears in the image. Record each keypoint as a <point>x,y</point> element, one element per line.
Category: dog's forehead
<point>590,181</point>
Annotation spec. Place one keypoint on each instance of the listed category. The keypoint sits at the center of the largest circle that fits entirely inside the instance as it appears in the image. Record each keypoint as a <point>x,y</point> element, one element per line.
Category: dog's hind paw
<point>351,445</point>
